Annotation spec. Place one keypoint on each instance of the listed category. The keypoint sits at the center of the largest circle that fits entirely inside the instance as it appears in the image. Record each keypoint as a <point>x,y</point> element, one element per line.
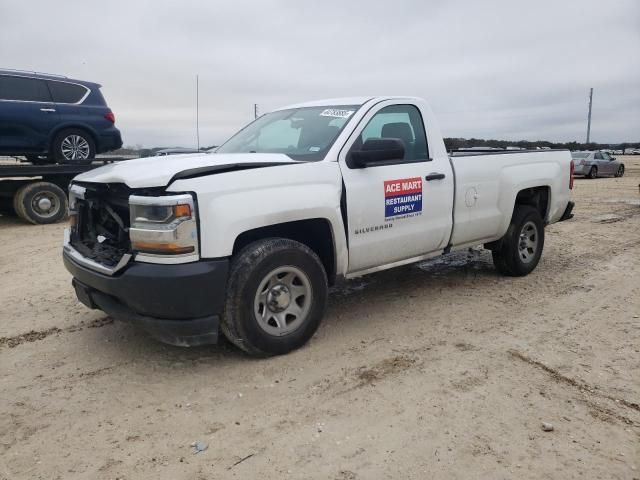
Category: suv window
<point>24,89</point>
<point>403,122</point>
<point>66,92</point>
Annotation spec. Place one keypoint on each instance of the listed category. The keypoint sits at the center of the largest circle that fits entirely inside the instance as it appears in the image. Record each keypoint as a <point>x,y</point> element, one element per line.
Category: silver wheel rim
<point>283,300</point>
<point>528,242</point>
<point>75,147</point>
<point>45,204</point>
<point>620,171</point>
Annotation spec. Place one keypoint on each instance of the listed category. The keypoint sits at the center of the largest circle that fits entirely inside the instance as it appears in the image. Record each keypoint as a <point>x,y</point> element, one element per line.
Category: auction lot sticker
<point>403,197</point>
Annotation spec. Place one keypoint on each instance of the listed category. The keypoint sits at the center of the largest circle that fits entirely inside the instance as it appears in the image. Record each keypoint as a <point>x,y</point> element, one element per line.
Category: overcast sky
<point>505,69</point>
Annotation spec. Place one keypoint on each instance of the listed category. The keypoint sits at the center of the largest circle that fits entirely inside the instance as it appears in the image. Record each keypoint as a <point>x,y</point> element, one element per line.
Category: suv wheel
<point>519,251</point>
<point>276,297</point>
<point>73,146</point>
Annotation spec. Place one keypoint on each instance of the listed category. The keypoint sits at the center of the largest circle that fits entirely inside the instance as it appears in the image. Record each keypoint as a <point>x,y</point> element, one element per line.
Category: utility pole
<point>589,119</point>
<point>197,112</point>
<point>255,110</point>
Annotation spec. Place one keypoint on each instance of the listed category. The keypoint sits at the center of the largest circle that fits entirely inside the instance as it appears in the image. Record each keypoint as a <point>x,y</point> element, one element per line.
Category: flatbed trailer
<point>39,193</point>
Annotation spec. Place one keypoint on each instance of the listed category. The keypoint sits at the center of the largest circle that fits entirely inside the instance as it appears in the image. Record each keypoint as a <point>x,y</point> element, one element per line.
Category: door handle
<point>434,176</point>
<point>47,109</point>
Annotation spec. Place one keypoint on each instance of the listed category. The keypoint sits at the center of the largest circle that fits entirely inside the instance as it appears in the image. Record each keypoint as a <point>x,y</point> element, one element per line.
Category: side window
<point>403,122</point>
<point>598,156</point>
<point>66,92</point>
<point>24,89</point>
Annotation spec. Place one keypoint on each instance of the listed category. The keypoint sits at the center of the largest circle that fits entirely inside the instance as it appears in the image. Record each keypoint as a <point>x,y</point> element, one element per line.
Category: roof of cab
<point>343,101</point>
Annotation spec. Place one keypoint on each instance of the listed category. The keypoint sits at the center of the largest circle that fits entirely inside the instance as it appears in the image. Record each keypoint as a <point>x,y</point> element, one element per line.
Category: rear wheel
<point>276,297</point>
<point>518,252</point>
<point>40,203</point>
<point>73,145</point>
<point>593,173</point>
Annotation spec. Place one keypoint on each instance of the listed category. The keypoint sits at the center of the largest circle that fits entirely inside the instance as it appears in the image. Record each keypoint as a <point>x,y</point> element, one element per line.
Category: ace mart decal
<point>402,198</point>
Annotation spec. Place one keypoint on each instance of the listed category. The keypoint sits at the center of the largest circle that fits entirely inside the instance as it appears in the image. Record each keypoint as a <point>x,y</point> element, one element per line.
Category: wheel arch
<point>315,233</point>
<point>536,197</point>
<point>75,125</point>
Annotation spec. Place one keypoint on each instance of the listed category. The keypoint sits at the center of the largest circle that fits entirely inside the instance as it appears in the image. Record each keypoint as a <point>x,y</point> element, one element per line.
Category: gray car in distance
<point>596,164</point>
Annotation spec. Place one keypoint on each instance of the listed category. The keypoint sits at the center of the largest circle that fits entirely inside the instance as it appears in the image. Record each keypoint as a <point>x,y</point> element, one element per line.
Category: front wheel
<point>620,171</point>
<point>276,297</point>
<point>519,251</point>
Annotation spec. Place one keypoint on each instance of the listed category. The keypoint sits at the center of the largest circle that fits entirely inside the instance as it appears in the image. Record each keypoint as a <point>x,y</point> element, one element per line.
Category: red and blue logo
<point>402,197</point>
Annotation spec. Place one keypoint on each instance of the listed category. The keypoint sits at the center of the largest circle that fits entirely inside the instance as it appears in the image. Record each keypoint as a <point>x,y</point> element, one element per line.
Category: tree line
<point>456,143</point>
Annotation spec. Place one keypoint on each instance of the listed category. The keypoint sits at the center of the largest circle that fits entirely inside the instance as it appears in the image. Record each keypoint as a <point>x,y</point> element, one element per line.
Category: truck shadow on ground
<point>458,270</point>
<point>8,220</point>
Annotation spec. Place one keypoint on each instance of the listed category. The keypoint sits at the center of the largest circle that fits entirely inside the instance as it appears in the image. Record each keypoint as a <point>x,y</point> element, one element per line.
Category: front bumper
<point>176,304</point>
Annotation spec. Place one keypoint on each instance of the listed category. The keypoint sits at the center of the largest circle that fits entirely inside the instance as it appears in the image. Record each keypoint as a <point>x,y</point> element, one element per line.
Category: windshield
<point>301,133</point>
<point>580,154</point>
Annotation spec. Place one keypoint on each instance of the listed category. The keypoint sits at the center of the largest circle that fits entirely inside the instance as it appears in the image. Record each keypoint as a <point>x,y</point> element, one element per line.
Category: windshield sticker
<point>314,149</point>
<point>337,113</point>
<point>402,198</point>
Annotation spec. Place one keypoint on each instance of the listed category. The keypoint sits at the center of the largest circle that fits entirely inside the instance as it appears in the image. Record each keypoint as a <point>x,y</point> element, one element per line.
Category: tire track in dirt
<point>583,387</point>
<point>36,335</point>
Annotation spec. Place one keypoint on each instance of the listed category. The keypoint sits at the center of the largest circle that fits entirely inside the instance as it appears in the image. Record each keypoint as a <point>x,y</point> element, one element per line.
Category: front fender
<point>232,203</point>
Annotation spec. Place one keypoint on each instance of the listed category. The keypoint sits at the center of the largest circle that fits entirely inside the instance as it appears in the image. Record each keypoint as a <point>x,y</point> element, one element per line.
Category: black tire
<point>252,266</point>
<point>593,173</point>
<point>61,155</point>
<point>509,256</point>
<point>29,199</point>
<point>620,171</point>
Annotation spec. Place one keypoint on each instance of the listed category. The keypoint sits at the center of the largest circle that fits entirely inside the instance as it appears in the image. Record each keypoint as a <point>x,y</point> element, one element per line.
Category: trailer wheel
<point>276,297</point>
<point>40,203</point>
<point>519,251</point>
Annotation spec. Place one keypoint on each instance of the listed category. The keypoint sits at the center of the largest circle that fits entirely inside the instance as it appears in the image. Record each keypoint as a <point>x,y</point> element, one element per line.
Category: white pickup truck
<point>248,240</point>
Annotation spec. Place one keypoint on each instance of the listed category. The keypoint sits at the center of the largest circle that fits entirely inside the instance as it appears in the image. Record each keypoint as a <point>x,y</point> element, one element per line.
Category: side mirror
<point>376,151</point>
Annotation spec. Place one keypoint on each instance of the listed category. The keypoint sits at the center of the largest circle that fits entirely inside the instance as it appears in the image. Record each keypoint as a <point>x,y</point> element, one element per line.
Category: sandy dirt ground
<point>440,370</point>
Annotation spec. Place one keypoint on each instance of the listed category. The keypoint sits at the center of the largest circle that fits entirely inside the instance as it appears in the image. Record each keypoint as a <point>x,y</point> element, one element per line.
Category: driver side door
<point>400,209</point>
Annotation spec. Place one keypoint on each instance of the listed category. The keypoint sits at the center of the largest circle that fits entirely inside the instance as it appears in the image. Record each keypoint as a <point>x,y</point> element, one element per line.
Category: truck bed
<point>486,189</point>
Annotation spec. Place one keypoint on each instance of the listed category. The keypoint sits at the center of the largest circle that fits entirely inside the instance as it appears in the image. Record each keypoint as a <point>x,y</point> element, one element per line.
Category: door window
<point>598,156</point>
<point>23,89</point>
<point>403,122</point>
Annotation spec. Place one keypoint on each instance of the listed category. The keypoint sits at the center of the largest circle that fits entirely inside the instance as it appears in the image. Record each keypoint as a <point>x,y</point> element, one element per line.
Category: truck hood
<point>160,171</point>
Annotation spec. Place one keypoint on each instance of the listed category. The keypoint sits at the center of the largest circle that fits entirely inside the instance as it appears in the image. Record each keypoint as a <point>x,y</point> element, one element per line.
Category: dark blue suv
<point>54,119</point>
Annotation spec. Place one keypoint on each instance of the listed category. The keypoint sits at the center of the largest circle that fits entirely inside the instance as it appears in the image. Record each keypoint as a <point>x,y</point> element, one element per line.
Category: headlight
<point>164,229</point>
